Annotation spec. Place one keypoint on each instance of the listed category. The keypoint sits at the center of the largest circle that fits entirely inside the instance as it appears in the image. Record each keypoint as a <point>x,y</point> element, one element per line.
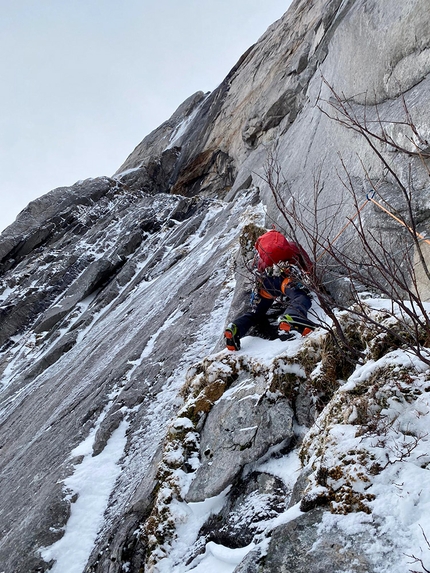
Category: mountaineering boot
<point>231,335</point>
<point>290,322</point>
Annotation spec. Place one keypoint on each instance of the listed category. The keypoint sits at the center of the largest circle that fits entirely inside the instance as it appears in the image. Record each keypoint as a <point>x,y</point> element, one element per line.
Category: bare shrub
<point>366,259</point>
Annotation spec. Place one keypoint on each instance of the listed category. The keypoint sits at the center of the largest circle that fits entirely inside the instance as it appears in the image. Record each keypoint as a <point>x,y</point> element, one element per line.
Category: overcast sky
<point>83,81</point>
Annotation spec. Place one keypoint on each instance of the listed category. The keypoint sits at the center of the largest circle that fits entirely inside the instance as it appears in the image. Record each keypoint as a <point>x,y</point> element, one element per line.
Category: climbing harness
<point>292,277</point>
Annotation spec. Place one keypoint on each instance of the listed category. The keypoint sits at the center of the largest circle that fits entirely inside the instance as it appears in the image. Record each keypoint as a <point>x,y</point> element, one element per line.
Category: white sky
<point>83,81</point>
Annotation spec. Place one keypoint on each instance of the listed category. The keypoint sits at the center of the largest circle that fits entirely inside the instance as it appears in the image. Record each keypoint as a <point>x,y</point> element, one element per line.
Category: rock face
<point>241,427</point>
<point>114,294</point>
<point>298,546</point>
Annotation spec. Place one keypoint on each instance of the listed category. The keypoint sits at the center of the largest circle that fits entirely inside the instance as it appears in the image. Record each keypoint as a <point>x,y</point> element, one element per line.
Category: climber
<point>279,269</point>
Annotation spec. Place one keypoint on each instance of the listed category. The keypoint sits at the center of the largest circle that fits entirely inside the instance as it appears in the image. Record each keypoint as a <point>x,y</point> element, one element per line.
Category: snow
<point>126,172</point>
<point>191,517</point>
<point>93,481</point>
<point>151,343</point>
<point>396,358</point>
<point>6,292</point>
<point>266,350</point>
<point>179,131</point>
<point>220,559</point>
<point>401,503</point>
<point>291,514</point>
<point>287,468</point>
<point>400,510</point>
<point>401,489</point>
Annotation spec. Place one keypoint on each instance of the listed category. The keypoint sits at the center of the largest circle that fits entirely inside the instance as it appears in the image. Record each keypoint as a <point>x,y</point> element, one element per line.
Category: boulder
<point>299,546</point>
<point>241,427</point>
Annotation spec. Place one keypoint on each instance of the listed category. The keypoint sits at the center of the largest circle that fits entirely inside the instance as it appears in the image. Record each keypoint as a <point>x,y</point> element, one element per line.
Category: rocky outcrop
<point>334,512</point>
<point>298,546</point>
<point>114,293</point>
<point>50,386</point>
<point>242,426</point>
<point>152,163</point>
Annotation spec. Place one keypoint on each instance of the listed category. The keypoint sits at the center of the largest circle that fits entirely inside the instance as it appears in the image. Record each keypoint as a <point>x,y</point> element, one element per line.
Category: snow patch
<point>92,481</point>
<point>286,468</point>
<point>126,172</point>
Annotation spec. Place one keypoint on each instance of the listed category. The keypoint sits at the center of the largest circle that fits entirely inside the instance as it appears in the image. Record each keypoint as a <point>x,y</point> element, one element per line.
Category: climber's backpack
<point>273,247</point>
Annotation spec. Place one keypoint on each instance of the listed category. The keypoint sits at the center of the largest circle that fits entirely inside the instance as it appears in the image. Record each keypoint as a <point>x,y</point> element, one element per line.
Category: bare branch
<point>364,257</point>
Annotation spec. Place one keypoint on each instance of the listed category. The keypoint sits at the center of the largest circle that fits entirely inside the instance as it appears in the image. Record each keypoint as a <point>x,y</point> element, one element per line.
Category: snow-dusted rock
<point>251,503</point>
<point>52,371</point>
<point>300,546</point>
<point>113,288</point>
<point>241,427</point>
